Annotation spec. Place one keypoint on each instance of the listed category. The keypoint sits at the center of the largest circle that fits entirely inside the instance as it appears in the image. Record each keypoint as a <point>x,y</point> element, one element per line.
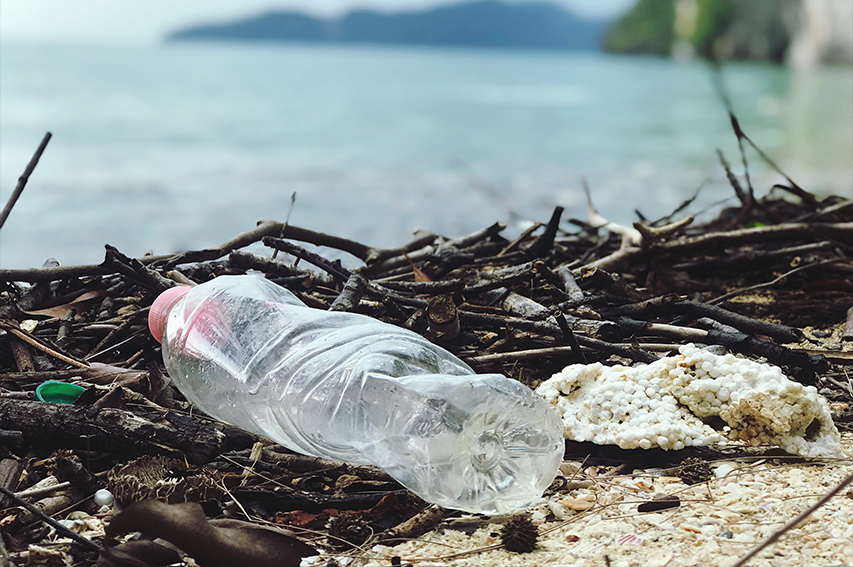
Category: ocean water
<point>182,146</point>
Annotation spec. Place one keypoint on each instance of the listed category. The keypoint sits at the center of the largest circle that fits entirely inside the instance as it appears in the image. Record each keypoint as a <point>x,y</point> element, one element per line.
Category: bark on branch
<point>110,430</point>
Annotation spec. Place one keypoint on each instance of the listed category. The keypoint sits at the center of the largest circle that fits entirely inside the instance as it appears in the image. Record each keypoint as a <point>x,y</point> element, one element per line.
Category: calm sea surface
<point>176,147</point>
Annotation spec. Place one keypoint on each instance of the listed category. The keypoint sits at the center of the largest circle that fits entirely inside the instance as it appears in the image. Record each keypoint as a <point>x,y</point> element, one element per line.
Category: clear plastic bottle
<point>345,386</point>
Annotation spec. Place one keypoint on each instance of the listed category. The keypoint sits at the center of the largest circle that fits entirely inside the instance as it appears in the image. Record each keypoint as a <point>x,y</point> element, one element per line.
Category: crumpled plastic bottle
<point>346,386</point>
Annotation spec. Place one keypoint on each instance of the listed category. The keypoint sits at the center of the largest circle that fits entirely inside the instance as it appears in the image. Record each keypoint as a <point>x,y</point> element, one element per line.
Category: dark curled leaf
<point>215,543</point>
<point>141,553</point>
<point>658,504</point>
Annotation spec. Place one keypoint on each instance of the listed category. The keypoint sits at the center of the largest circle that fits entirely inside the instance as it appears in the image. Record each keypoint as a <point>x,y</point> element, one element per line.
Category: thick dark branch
<point>502,277</point>
<point>753,256</point>
<point>428,288</point>
<point>779,232</point>
<point>245,261</point>
<point>360,251</point>
<point>136,271</point>
<point>443,317</point>
<point>58,272</point>
<point>746,324</point>
<point>111,430</point>
<point>674,305</point>
<point>542,245</point>
<point>351,295</point>
<point>739,342</point>
<point>267,502</point>
<point>421,241</point>
<point>264,228</point>
<point>331,268</point>
<point>305,464</point>
<point>601,329</point>
<point>569,335</point>
<point>843,231</point>
<point>456,247</point>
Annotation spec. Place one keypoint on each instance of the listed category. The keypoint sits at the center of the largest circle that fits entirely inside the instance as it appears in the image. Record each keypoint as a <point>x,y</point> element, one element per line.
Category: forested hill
<point>486,23</point>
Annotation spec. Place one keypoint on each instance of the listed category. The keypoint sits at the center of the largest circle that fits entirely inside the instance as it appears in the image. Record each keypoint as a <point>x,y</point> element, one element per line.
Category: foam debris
<point>670,403</point>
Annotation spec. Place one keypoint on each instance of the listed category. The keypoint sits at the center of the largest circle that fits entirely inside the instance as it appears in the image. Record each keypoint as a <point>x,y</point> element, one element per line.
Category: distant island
<point>484,23</point>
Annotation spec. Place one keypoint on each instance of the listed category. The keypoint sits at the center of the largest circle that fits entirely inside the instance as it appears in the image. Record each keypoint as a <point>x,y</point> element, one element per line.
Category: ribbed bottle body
<point>346,386</point>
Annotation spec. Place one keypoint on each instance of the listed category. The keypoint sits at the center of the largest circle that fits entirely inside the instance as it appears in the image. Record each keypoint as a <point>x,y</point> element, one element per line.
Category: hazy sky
<point>146,21</point>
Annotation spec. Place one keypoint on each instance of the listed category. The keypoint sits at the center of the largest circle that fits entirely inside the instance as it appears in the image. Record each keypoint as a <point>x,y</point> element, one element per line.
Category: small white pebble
<point>104,497</point>
<point>557,509</point>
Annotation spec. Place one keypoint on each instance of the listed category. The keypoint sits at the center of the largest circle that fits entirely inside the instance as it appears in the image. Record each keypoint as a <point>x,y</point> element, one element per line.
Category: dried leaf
<point>115,399</point>
<point>212,543</point>
<point>79,304</point>
<point>420,276</point>
<point>106,374</point>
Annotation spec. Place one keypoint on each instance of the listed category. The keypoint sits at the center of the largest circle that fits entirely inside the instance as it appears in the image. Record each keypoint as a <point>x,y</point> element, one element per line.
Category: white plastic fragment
<point>663,404</point>
<point>723,470</point>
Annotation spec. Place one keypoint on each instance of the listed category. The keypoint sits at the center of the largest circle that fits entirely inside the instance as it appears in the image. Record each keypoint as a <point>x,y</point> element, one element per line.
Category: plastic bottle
<point>345,386</point>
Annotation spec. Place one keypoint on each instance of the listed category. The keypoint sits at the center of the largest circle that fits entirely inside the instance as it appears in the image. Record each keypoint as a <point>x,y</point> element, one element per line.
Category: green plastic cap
<point>57,392</point>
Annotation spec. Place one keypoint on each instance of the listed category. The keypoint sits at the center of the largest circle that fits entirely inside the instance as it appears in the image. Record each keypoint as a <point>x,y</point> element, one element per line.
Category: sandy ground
<point>717,522</point>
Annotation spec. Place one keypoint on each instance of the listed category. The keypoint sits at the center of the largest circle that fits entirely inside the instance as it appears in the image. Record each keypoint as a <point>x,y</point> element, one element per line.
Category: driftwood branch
<point>842,231</point>
<point>332,268</point>
<point>350,295</point>
<point>305,464</point>
<point>111,430</point>
<point>136,270</point>
<point>42,345</point>
<point>542,245</point>
<point>59,527</point>
<point>415,526</point>
<point>23,179</point>
<point>678,306</point>
<point>267,502</point>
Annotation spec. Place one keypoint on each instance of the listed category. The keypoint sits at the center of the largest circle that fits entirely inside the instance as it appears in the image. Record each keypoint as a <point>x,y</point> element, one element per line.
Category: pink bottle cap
<point>161,307</point>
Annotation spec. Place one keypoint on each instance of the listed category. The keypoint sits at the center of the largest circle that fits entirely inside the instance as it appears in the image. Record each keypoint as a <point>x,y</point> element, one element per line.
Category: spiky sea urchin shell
<point>694,470</point>
<point>348,530</point>
<point>520,534</point>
